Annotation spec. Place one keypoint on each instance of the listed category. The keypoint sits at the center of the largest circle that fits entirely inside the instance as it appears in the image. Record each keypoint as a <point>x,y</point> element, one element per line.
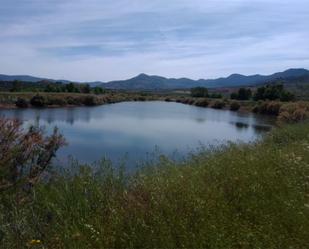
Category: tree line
<point>46,86</point>
<point>268,92</point>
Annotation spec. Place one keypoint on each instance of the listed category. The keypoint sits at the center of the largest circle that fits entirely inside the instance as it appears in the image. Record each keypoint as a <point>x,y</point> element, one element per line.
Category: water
<point>135,129</point>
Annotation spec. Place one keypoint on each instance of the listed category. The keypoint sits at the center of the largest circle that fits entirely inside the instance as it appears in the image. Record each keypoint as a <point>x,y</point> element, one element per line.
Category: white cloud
<point>106,40</point>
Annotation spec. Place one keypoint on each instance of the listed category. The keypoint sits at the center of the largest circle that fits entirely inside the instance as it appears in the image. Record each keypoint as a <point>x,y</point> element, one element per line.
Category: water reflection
<point>136,128</point>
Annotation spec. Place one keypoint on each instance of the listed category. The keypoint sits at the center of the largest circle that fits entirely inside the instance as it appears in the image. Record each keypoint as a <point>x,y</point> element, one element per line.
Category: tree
<point>98,90</point>
<point>71,88</point>
<point>273,92</point>
<point>85,88</point>
<point>16,86</point>
<point>242,94</point>
<point>199,92</point>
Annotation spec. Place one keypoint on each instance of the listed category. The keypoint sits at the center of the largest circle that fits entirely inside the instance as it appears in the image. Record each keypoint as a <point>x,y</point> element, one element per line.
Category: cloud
<point>105,40</point>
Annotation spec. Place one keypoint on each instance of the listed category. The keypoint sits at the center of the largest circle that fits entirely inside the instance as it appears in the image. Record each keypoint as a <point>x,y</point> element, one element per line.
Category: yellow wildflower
<point>34,242</point>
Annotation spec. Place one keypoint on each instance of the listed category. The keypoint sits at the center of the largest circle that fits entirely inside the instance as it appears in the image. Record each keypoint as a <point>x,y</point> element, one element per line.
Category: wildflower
<point>34,242</point>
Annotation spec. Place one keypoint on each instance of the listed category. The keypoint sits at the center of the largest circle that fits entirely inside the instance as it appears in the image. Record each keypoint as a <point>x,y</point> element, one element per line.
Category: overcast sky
<point>88,40</point>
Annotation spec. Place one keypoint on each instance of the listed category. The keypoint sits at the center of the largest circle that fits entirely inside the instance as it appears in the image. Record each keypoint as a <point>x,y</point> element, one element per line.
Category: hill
<point>154,82</point>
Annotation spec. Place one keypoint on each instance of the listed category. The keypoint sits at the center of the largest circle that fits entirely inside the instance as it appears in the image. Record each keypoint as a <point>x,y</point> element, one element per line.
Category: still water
<point>135,130</point>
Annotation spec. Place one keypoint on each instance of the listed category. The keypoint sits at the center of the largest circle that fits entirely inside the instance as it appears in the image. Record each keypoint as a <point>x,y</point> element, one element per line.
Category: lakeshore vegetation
<point>234,196</point>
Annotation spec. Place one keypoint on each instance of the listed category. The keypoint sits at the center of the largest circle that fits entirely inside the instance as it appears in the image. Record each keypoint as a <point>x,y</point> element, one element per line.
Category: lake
<point>137,130</point>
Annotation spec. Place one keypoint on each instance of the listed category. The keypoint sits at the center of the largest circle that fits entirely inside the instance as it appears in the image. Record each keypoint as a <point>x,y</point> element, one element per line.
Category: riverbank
<point>285,111</point>
<point>236,196</point>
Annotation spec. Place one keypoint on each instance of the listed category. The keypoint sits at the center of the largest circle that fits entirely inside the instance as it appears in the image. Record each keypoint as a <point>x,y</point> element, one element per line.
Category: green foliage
<point>215,96</point>
<point>16,86</point>
<point>38,101</point>
<point>242,94</point>
<point>273,92</point>
<point>98,90</point>
<point>199,92</point>
<point>236,196</point>
<point>85,88</point>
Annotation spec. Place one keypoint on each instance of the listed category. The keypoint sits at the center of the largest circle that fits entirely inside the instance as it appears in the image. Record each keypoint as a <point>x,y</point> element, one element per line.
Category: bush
<point>271,108</point>
<point>215,96</point>
<point>199,92</point>
<point>218,104</point>
<point>24,155</point>
<point>202,103</point>
<point>90,101</point>
<point>56,101</point>
<point>234,106</point>
<point>294,112</point>
<point>22,103</point>
<point>73,101</point>
<point>38,101</point>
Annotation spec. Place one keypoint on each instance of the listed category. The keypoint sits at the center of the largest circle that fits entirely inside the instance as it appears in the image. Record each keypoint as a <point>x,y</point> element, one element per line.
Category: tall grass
<point>236,196</point>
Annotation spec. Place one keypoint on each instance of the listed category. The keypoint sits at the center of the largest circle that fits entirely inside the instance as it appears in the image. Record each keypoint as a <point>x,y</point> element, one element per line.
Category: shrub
<point>22,103</point>
<point>90,101</point>
<point>294,112</point>
<point>56,101</point>
<point>234,106</point>
<point>215,96</point>
<point>218,104</point>
<point>199,92</point>
<point>73,101</point>
<point>271,108</point>
<point>202,103</point>
<point>141,98</point>
<point>24,155</point>
<point>38,101</point>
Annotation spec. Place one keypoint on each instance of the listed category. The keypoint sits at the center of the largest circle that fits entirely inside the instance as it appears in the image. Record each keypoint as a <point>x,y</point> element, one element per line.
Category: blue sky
<point>88,40</point>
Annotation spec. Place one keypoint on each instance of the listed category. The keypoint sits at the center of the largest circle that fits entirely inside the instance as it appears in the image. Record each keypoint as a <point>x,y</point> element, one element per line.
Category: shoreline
<point>283,111</point>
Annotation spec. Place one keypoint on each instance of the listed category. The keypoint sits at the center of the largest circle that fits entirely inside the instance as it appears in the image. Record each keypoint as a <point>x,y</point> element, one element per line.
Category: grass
<point>236,196</point>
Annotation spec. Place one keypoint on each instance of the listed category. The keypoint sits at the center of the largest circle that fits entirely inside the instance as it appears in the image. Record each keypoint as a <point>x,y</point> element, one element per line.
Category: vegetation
<point>49,87</point>
<point>199,92</point>
<point>273,92</point>
<point>234,106</point>
<point>218,104</point>
<point>235,196</point>
<point>24,155</point>
<point>242,94</point>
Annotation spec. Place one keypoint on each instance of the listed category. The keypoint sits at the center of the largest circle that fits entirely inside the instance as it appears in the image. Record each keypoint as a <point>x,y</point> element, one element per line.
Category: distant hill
<point>153,82</point>
<point>27,78</point>
<point>148,82</point>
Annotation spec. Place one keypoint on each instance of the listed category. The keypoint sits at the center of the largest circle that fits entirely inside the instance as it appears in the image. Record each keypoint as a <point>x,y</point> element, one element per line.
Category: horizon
<point>95,40</point>
<point>150,75</point>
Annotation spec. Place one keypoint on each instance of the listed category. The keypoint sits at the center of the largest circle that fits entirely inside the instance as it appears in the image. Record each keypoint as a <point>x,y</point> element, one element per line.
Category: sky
<point>92,40</point>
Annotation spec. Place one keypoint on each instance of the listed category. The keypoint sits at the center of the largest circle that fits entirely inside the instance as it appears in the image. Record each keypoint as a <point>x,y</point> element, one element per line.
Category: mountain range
<point>153,82</point>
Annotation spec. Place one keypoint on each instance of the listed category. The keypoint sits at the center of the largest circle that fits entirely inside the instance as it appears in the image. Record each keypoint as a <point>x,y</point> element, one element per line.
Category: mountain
<point>27,78</point>
<point>152,82</point>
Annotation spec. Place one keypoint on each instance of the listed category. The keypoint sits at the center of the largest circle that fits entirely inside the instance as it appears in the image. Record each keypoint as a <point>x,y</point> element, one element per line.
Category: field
<point>236,196</point>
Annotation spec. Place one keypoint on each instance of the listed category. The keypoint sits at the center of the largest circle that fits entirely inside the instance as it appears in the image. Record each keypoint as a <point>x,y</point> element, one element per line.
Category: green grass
<point>236,196</point>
